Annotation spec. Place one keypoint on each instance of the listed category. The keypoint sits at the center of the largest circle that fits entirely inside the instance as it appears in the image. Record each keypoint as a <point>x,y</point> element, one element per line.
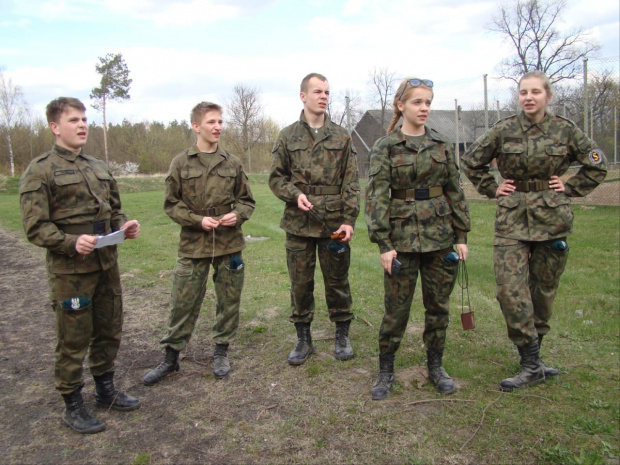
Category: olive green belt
<point>423,193</point>
<point>535,185</point>
<point>100,227</point>
<point>215,211</point>
<point>319,190</point>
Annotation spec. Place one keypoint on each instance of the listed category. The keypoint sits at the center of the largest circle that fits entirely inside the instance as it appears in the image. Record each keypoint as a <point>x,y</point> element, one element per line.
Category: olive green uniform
<point>415,205</point>
<point>202,185</point>
<point>322,165</point>
<point>62,196</point>
<point>531,219</point>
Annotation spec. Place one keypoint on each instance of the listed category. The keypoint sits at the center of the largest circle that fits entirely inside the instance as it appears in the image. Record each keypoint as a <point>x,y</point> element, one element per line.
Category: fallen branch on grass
<point>438,400</point>
<point>364,320</point>
<point>264,410</point>
<point>481,422</point>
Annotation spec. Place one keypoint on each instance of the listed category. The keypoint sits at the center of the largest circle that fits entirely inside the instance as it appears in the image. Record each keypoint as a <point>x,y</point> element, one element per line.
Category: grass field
<point>329,416</point>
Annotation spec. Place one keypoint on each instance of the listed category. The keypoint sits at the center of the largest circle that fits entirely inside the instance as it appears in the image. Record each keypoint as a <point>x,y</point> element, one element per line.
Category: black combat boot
<point>344,351</point>
<point>549,371</point>
<point>221,365</point>
<point>304,345</point>
<point>77,417</point>
<point>107,396</point>
<point>385,379</point>
<point>169,365</point>
<point>531,372</point>
<point>437,374</point>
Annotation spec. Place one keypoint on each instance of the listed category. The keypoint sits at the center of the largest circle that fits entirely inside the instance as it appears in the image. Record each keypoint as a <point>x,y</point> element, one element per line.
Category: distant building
<point>471,126</point>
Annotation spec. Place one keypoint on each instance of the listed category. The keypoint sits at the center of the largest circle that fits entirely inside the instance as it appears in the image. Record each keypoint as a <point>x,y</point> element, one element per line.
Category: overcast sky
<point>181,52</point>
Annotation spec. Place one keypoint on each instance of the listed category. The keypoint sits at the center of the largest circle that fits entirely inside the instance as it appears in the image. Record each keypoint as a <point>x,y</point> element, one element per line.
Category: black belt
<point>535,185</point>
<point>319,190</point>
<point>215,211</point>
<point>423,193</point>
<point>100,227</point>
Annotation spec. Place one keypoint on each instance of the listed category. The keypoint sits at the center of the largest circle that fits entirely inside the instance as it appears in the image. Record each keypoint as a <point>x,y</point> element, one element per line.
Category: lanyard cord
<point>463,280</point>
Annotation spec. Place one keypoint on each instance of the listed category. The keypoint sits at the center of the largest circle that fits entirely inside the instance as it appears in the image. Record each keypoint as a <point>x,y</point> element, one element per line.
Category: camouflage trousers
<point>301,260</point>
<point>527,276</point>
<point>438,278</point>
<point>189,286</point>
<point>89,315</point>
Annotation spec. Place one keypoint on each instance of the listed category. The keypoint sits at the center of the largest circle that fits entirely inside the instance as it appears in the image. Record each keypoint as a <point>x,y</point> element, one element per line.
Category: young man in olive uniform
<point>314,171</point>
<point>67,199</point>
<point>208,194</point>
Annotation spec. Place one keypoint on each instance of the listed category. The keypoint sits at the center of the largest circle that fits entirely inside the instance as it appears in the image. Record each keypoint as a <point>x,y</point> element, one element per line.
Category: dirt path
<point>189,418</point>
<point>31,429</point>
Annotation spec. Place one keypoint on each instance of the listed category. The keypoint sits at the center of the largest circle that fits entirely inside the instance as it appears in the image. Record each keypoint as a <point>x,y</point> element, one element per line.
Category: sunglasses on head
<point>416,83</point>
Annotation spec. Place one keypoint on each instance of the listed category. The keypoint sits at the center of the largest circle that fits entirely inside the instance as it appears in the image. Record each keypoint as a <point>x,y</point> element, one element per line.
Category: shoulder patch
<point>596,156</point>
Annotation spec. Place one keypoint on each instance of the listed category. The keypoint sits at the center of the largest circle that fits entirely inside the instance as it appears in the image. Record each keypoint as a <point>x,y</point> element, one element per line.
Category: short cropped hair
<point>304,82</point>
<point>199,111</point>
<point>57,106</point>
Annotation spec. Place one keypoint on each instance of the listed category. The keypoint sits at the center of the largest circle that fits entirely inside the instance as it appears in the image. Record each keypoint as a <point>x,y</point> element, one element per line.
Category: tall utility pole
<point>486,104</point>
<point>348,111</point>
<point>586,98</point>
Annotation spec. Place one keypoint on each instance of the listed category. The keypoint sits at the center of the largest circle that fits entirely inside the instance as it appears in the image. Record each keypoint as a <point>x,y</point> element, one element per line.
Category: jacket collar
<point>218,156</point>
<point>67,154</point>
<point>327,125</point>
<point>526,124</point>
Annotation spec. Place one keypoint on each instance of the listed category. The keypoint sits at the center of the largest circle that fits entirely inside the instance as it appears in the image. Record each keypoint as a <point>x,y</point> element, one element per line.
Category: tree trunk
<point>11,156</point>
<point>105,133</point>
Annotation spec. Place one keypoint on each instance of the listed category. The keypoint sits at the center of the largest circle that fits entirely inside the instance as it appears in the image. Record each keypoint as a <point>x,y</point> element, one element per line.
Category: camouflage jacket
<point>526,151</point>
<point>193,186</point>
<point>62,188</point>
<point>420,225</point>
<point>330,160</point>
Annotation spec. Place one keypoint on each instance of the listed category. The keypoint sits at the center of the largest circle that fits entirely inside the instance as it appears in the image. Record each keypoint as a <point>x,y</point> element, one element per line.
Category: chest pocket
<point>402,164</point>
<point>226,172</point>
<point>556,150</point>
<point>439,156</point>
<point>513,148</point>
<point>334,145</point>
<point>509,160</point>
<point>293,146</point>
<point>104,181</point>
<point>67,189</point>
<point>191,180</point>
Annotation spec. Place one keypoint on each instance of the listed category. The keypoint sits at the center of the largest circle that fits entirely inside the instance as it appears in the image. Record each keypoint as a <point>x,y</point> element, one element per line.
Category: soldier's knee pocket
<point>75,322</point>
<point>235,273</point>
<point>295,256</point>
<point>339,259</point>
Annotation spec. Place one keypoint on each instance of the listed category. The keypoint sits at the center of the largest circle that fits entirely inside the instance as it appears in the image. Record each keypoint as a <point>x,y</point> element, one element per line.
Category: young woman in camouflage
<point>533,149</point>
<point>416,212</point>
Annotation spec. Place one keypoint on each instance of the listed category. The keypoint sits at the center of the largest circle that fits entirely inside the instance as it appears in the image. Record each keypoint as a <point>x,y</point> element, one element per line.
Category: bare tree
<point>531,26</point>
<point>114,85</point>
<point>382,82</point>
<point>337,107</point>
<point>246,117</point>
<point>11,104</point>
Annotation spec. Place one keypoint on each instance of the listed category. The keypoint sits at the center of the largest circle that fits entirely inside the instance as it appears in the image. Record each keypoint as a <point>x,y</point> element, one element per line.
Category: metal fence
<point>591,100</point>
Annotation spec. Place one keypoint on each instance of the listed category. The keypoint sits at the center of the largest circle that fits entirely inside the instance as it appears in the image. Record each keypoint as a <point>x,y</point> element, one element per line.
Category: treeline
<point>150,145</point>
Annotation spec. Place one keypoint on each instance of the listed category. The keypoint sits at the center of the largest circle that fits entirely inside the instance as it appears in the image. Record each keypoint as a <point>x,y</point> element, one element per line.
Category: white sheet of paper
<point>113,238</point>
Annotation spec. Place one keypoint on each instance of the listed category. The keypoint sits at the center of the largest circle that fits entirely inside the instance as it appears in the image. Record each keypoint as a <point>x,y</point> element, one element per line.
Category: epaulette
<point>572,123</point>
<point>505,119</point>
<point>436,135</point>
<point>42,156</point>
